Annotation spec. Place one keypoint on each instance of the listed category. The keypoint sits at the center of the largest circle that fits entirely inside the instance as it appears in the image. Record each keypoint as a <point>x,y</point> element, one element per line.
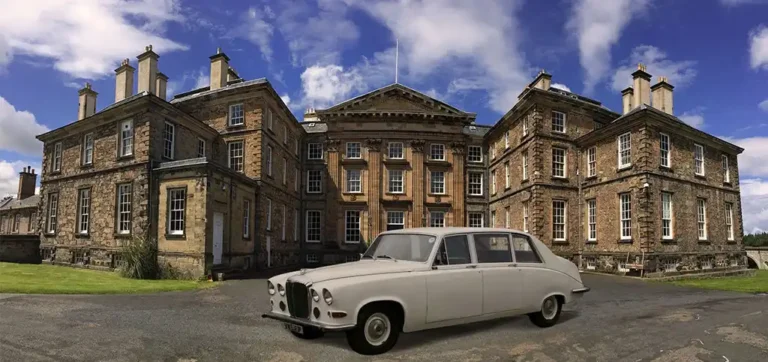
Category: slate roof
<point>314,127</point>
<point>14,204</point>
<point>476,130</point>
<point>204,91</point>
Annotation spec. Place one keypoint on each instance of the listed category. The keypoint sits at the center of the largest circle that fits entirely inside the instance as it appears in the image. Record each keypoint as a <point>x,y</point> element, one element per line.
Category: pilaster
<point>418,182</point>
<point>374,187</point>
<point>459,188</point>
<point>332,188</point>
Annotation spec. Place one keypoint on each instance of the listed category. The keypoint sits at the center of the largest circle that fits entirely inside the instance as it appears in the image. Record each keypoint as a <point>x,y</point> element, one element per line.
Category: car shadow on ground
<point>408,341</point>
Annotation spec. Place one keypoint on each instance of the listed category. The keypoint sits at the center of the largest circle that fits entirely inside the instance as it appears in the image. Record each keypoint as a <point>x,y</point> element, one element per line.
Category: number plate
<point>294,328</point>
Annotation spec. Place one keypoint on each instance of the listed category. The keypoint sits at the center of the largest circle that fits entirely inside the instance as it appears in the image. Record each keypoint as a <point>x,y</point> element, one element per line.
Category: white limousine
<point>422,278</point>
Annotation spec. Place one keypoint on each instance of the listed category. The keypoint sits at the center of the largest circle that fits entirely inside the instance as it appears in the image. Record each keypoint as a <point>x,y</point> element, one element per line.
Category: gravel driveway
<point>619,320</point>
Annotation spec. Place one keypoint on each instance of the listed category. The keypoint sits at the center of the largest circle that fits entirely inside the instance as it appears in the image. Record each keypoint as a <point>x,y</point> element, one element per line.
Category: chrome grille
<point>298,299</point>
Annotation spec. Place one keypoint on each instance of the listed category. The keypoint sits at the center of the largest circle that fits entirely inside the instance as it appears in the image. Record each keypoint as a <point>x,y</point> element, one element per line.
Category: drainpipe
<point>579,244</point>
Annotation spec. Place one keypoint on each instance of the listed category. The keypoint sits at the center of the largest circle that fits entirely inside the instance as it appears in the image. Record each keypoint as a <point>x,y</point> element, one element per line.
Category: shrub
<point>139,259</point>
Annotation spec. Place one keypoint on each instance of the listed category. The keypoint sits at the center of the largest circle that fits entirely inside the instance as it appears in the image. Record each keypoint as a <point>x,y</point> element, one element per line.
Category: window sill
<point>666,168</point>
<point>82,236</point>
<point>87,166</point>
<point>624,168</point>
<point>175,236</point>
<point>49,234</point>
<point>704,242</point>
<point>625,241</point>
<point>589,178</point>
<point>121,236</point>
<point>475,195</point>
<point>731,242</point>
<point>438,163</point>
<point>478,163</point>
<point>126,157</point>
<point>559,242</point>
<point>167,158</point>
<point>54,173</point>
<point>235,126</point>
<point>314,192</point>
<point>246,238</point>
<point>590,242</point>
<point>727,183</point>
<point>560,179</point>
<point>668,241</point>
<point>525,180</point>
<point>436,195</point>
<point>701,177</point>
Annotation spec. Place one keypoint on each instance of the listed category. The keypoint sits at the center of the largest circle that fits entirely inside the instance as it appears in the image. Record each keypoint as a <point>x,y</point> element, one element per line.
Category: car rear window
<point>524,250</point>
<point>492,248</point>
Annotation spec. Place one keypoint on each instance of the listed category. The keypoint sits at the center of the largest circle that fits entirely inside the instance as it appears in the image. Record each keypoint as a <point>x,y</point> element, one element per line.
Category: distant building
<point>18,215</point>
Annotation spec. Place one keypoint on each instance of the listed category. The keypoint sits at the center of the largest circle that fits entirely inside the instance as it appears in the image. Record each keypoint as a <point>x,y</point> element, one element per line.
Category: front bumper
<point>308,323</point>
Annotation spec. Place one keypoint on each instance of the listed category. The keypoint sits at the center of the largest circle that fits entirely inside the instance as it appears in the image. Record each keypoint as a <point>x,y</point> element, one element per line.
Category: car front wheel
<point>376,332</point>
<point>549,314</point>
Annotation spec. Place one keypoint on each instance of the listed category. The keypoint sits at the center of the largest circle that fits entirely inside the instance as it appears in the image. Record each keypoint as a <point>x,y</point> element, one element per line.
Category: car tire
<point>549,313</point>
<point>309,333</point>
<point>377,330</point>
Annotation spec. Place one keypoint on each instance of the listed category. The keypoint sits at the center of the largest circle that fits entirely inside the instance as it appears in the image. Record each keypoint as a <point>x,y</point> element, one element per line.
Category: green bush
<point>139,259</point>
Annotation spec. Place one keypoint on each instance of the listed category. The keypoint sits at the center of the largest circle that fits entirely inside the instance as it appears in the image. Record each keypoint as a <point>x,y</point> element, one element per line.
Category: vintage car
<point>421,278</point>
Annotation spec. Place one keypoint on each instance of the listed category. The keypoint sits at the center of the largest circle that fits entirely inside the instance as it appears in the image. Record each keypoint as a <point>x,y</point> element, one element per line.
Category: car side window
<point>454,250</point>
<point>524,250</point>
<point>492,248</point>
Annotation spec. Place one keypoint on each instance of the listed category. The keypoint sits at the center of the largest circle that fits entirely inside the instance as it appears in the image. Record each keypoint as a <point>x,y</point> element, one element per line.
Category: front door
<point>502,282</point>
<point>218,237</point>
<point>455,286</point>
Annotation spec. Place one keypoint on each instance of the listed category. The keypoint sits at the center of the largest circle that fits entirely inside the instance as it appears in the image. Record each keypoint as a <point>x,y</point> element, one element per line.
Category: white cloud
<point>79,36</point>
<point>763,105</point>
<point>758,47</point>
<point>561,86</point>
<point>255,27</point>
<point>189,81</point>
<point>754,205</point>
<point>5,53</point>
<point>752,160</point>
<point>476,40</point>
<point>598,24</point>
<point>9,176</point>
<point>679,73</point>
<point>286,99</point>
<point>730,3</point>
<point>694,118</point>
<point>19,129</point>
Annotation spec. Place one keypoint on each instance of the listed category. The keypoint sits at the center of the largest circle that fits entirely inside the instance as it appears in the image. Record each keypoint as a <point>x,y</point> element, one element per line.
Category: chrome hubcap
<point>377,329</point>
<point>549,309</point>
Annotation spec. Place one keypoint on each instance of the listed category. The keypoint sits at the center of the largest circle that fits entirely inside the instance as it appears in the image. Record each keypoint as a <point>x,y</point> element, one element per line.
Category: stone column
<point>374,187</point>
<point>418,182</point>
<point>332,189</point>
<point>459,190</point>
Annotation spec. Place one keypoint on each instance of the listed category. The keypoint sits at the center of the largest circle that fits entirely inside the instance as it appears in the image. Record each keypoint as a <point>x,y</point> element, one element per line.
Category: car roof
<point>436,231</point>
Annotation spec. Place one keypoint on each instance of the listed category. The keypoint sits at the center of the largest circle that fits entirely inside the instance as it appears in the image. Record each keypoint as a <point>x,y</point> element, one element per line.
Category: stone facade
<point>18,215</point>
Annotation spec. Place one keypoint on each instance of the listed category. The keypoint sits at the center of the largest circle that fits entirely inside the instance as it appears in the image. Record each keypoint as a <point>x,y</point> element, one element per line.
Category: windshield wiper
<point>386,256</point>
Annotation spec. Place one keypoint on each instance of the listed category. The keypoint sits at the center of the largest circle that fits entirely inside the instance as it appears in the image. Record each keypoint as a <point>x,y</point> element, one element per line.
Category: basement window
<point>312,258</point>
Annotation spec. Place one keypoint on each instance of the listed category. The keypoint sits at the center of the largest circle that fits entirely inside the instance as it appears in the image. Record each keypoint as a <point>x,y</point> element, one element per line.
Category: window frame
<point>56,160</point>
<point>506,139</point>
<point>246,219</point>
<point>285,170</point>
<point>390,185</point>
<point>665,153</point>
<point>437,147</point>
<point>701,219</point>
<point>84,202</point>
<point>296,225</point>
<point>476,156</point>
<point>268,224</point>
<point>358,182</point>
<point>592,220</point>
<point>394,221</point>
<point>268,160</point>
<point>128,212</point>
<point>667,216</point>
<point>726,169</point>
<point>347,228</point>
<point>620,153</point>
<point>309,219</point>
<point>525,216</point>
<point>475,240</point>
<point>592,161</point>
<point>88,150</point>
<point>625,216</point>
<point>359,155</point>
<point>564,162</point>
<point>493,182</point>
<point>231,118</point>
<point>698,160</point>
<point>476,184</point>
<point>52,219</point>
<point>241,157</point>
<point>319,181</point>
<point>525,165</point>
<point>390,149</point>
<point>564,222</point>
<point>16,223</point>
<point>475,214</point>
<point>434,185</point>
<point>730,234</point>
<point>169,152</point>
<point>318,149</point>
<point>507,180</point>
<point>564,120</point>
<point>125,142</point>
<point>172,208</point>
<point>270,118</point>
<point>432,218</point>
<point>283,222</point>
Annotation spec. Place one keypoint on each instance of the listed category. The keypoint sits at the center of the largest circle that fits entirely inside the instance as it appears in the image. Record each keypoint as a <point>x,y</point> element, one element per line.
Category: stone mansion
<point>226,177</point>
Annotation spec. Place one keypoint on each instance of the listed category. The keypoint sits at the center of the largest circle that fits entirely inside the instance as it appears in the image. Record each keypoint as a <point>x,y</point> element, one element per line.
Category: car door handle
<point>471,266</point>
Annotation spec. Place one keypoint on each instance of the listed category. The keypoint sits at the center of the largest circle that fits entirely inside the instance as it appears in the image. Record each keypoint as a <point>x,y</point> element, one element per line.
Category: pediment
<point>397,98</point>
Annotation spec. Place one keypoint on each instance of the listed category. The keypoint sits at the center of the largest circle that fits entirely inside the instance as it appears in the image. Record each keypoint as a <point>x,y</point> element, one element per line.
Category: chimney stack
<point>662,95</point>
<point>641,86</point>
<point>148,71</point>
<point>162,84</point>
<point>219,69</point>
<point>626,99</point>
<point>124,80</point>
<point>27,181</point>
<point>232,75</point>
<point>543,80</point>
<point>86,105</point>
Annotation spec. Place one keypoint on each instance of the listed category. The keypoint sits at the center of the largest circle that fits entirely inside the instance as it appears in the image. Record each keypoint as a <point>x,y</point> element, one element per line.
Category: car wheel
<point>549,314</point>
<point>376,331</point>
<point>309,333</point>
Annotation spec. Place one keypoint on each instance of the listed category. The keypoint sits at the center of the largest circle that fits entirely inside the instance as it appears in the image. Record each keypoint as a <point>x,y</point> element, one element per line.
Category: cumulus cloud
<point>694,118</point>
<point>79,36</point>
<point>255,27</point>
<point>731,3</point>
<point>679,73</point>
<point>189,80</point>
<point>19,129</point>
<point>763,105</point>
<point>752,161</point>
<point>754,197</point>
<point>286,99</point>
<point>598,25</point>
<point>561,86</point>
<point>9,176</point>
<point>758,47</point>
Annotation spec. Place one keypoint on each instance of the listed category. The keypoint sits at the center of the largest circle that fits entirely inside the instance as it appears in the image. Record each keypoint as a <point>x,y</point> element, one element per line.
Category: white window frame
<point>525,165</point>
<point>351,231</point>
<point>200,147</point>
<point>269,160</point>
<point>726,169</point>
<point>396,217</point>
<point>395,184</point>
<point>269,214</point>
<point>316,149</point>
<point>564,162</point>
<point>53,209</point>
<point>698,159</point>
<point>177,205</point>
<point>493,182</point>
<point>169,140</point>
<point>437,219</point>
<point>124,208</point>
<point>126,138</point>
<point>83,211</point>
<point>667,216</point>
<point>492,150</point>
<point>525,216</point>
<point>354,151</point>
<point>270,121</point>
<point>395,151</point>
<point>665,150</point>
<point>556,222</point>
<point>475,154</point>
<point>236,115</point>
<point>246,219</point>
<point>507,180</point>
<point>477,183</point>
<point>437,184</point>
<point>525,126</point>
<point>310,225</point>
<point>285,134</point>
<point>556,127</point>
<point>232,156</point>
<point>592,220</point>
<point>88,149</point>
<point>622,152</point>
<point>354,181</point>
<point>625,216</point>
<point>701,216</point>
<point>729,220</point>
<point>473,217</point>
<point>435,150</point>
<point>56,162</point>
<point>310,182</point>
<point>592,161</point>
<point>506,139</point>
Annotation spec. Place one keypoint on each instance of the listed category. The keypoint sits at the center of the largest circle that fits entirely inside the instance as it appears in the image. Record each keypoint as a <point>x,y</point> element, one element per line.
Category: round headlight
<point>280,289</point>
<point>327,296</point>
<point>270,288</point>
<point>315,296</point>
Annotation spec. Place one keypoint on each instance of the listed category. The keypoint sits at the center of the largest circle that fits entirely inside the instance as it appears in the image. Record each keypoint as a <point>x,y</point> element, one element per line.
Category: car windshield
<point>411,247</point>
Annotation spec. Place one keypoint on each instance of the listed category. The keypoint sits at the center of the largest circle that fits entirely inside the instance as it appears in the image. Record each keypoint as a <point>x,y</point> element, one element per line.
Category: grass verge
<point>52,279</point>
<point>745,284</point>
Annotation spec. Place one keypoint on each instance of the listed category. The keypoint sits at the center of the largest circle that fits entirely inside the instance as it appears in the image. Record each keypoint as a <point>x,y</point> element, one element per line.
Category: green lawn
<point>755,284</point>
<point>51,279</point>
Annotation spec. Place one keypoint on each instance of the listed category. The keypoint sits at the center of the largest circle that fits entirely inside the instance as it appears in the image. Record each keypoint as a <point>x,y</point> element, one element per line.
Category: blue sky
<point>474,55</point>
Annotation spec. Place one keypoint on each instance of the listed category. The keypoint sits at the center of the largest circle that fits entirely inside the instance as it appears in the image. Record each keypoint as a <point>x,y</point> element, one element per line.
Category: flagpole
<point>397,54</point>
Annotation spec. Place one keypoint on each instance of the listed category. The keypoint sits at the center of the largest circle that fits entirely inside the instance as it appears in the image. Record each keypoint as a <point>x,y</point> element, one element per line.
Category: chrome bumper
<point>307,323</point>
<point>580,290</point>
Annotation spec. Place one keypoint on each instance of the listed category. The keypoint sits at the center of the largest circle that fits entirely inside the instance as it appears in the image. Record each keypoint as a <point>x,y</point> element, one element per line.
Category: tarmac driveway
<point>619,320</point>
